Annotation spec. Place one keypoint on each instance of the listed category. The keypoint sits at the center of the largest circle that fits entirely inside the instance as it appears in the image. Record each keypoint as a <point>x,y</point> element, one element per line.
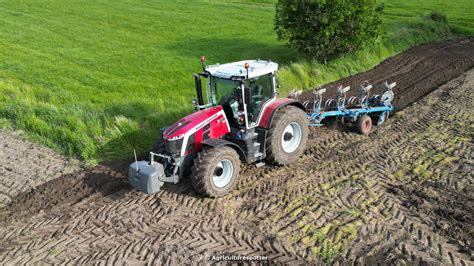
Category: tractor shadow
<point>68,189</point>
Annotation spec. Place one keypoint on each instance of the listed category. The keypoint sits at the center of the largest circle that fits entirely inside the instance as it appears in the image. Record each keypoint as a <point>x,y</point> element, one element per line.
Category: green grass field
<point>95,79</point>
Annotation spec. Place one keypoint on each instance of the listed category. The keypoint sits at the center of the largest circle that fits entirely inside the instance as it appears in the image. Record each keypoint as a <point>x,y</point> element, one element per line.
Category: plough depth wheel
<point>364,124</point>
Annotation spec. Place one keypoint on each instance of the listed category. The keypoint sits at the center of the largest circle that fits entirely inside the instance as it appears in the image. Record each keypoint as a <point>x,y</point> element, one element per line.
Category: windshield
<point>223,90</point>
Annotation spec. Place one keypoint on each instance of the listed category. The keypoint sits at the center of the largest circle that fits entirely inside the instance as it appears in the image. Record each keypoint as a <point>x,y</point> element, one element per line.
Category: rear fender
<point>272,108</point>
<point>214,143</point>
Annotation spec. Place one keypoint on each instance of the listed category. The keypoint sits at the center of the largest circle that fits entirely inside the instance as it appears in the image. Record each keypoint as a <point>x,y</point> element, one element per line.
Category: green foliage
<point>325,29</point>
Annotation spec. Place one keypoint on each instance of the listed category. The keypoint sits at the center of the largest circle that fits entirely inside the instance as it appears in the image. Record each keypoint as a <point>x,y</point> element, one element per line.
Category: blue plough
<point>355,109</point>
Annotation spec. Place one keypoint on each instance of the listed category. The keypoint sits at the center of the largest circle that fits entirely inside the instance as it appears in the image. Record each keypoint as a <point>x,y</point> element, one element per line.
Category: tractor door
<point>261,90</point>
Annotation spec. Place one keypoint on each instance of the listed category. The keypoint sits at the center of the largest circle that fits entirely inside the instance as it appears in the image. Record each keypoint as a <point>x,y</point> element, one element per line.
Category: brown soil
<point>24,165</point>
<point>404,194</point>
<point>418,71</point>
<point>69,189</point>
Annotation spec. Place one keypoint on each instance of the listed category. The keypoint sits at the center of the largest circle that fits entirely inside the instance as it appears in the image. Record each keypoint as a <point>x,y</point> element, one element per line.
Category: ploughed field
<point>404,193</point>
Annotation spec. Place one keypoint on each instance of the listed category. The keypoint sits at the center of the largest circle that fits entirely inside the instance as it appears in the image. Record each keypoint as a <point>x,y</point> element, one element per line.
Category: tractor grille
<point>173,146</point>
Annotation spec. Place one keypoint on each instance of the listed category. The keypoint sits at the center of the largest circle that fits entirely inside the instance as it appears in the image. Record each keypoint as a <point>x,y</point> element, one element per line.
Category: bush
<point>325,29</point>
<point>435,24</point>
<point>438,17</point>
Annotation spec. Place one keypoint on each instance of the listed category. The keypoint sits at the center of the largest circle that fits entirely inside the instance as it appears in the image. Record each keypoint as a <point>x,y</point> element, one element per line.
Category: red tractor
<point>237,118</point>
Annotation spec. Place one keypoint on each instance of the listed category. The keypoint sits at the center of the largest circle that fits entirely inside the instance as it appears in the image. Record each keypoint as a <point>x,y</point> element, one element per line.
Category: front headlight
<point>177,137</point>
<point>174,145</point>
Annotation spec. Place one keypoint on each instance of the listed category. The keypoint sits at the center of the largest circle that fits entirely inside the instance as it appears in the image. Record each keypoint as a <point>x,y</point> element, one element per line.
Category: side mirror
<point>197,81</point>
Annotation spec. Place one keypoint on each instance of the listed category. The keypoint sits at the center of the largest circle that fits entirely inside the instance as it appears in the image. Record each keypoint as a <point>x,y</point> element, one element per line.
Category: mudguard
<point>271,109</point>
<point>222,142</point>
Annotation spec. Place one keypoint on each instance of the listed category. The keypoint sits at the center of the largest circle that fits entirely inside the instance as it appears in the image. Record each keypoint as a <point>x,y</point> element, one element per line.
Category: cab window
<point>261,90</point>
<point>222,90</point>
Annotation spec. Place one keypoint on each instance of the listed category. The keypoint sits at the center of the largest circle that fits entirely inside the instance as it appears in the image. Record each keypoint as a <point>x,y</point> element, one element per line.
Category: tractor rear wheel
<point>215,171</point>
<point>287,137</point>
<point>364,124</point>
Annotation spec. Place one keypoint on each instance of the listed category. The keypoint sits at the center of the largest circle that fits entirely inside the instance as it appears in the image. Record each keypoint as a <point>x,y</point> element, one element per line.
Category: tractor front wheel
<point>215,171</point>
<point>287,137</point>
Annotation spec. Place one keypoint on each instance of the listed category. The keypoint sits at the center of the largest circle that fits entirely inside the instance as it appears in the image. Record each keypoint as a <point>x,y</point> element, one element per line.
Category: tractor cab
<point>242,89</point>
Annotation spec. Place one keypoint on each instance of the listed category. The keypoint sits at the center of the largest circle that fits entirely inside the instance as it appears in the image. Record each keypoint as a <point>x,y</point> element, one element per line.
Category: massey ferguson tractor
<point>238,118</point>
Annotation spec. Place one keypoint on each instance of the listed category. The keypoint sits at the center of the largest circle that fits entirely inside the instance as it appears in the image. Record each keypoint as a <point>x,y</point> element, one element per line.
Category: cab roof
<point>237,70</point>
